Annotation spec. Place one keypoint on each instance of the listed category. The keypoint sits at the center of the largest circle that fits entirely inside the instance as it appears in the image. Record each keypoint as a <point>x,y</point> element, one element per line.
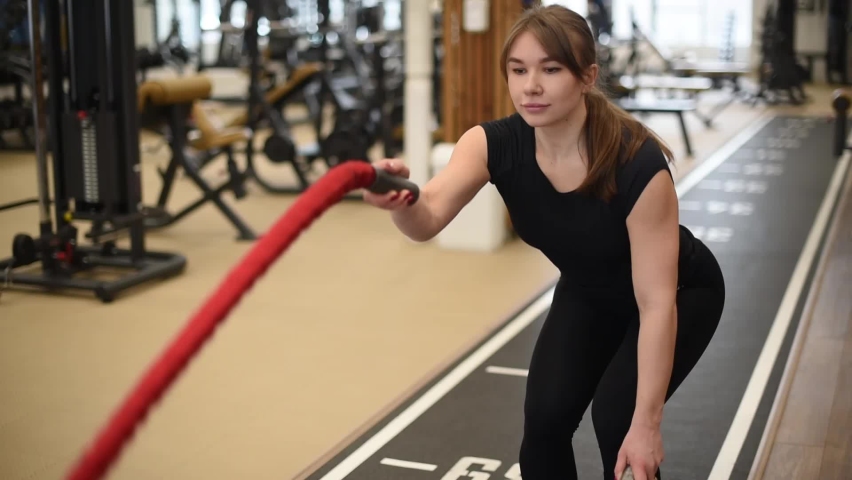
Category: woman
<point>638,299</point>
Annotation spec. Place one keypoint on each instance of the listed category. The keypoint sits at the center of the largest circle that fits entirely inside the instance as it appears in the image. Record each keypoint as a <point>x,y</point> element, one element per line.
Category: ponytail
<point>613,137</point>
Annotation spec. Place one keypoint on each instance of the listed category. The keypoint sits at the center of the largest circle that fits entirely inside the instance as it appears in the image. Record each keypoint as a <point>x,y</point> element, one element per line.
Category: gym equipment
<point>837,56</point>
<point>170,51</point>
<point>780,76</point>
<point>94,141</point>
<point>19,203</point>
<point>262,106</point>
<point>600,20</point>
<point>15,71</point>
<point>360,118</point>
<point>841,101</point>
<point>16,115</point>
<point>668,89</point>
<point>260,110</point>
<point>13,24</point>
<point>361,123</point>
<point>727,48</point>
<point>265,109</point>
<point>335,48</point>
<point>328,190</point>
<point>279,147</point>
<point>673,106</point>
<point>173,102</point>
<point>230,44</point>
<point>678,75</point>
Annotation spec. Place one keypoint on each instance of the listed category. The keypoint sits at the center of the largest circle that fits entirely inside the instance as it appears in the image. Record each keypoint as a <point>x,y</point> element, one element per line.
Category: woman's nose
<point>532,85</point>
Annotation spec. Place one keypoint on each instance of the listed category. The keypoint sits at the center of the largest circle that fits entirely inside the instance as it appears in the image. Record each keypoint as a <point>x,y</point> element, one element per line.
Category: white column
<point>418,88</point>
<point>144,24</point>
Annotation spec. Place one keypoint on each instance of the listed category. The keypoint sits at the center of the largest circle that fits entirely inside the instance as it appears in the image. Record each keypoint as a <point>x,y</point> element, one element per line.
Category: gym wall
<point>144,23</point>
<point>811,28</point>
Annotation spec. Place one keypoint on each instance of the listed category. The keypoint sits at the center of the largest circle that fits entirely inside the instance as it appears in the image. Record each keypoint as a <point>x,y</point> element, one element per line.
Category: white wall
<point>144,23</point>
<point>811,31</point>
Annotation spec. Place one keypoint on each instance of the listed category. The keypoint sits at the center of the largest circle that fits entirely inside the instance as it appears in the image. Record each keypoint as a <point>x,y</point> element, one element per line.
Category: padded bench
<point>672,106</point>
<point>691,85</point>
<point>710,68</point>
<point>174,101</point>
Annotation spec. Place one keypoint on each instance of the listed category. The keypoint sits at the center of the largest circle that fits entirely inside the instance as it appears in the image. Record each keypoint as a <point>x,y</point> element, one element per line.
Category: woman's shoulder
<point>649,158</point>
<point>637,170</point>
<point>513,125</point>
<point>507,139</point>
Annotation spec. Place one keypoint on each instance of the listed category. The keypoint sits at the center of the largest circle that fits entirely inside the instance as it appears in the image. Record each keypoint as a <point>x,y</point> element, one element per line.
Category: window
<point>187,14</point>
<point>685,24</point>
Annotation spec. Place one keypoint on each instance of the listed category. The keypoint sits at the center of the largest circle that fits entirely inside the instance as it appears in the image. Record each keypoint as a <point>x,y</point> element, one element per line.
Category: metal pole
<point>39,118</point>
<point>841,103</point>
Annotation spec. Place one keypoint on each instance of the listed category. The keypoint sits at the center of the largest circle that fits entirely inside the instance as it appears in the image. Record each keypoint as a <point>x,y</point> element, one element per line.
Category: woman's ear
<point>590,79</point>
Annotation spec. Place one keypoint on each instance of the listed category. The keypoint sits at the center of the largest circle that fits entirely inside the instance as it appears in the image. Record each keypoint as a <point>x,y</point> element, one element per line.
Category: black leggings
<point>584,354</point>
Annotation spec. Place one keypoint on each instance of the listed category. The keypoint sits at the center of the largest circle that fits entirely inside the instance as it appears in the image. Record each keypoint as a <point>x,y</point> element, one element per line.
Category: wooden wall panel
<point>473,88</point>
<point>503,21</point>
<point>451,70</point>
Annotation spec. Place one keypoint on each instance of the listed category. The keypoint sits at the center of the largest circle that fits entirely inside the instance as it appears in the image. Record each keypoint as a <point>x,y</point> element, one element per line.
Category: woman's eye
<point>518,71</point>
<point>552,69</point>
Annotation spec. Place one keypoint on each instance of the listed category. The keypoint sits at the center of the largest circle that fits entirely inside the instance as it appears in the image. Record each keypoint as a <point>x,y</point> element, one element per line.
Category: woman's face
<point>543,91</point>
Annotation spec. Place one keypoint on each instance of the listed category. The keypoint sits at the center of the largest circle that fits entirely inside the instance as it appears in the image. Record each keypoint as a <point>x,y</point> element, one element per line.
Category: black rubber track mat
<point>754,204</point>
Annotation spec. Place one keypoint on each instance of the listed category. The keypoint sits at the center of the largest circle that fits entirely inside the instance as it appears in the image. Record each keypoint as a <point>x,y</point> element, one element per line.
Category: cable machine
<point>91,117</point>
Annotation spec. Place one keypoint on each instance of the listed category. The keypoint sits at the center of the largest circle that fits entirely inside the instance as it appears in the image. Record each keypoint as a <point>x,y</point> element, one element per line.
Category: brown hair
<point>567,38</point>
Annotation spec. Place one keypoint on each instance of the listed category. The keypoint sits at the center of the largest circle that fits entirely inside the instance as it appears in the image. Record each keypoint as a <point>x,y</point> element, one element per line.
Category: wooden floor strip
<point>794,438</point>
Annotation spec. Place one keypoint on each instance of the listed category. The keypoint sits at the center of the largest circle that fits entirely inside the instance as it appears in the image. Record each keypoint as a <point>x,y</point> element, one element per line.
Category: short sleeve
<point>638,172</point>
<point>505,142</point>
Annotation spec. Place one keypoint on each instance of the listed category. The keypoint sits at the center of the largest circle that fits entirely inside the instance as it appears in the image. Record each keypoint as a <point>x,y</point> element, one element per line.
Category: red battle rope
<point>324,193</point>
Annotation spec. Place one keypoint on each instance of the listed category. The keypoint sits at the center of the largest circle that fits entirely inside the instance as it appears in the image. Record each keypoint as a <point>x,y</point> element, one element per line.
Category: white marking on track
<point>393,462</point>
<point>690,206</point>
<point>518,372</point>
<point>735,186</point>
<point>707,166</point>
<point>744,417</point>
<point>711,234</point>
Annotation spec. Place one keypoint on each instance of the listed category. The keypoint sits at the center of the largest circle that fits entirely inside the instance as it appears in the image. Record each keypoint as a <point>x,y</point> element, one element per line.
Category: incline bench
<point>710,69</point>
<point>674,106</point>
<point>690,85</point>
<point>717,71</point>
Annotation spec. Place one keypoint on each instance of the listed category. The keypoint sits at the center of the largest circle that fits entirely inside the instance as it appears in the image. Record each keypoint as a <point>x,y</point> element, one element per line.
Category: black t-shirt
<point>585,237</point>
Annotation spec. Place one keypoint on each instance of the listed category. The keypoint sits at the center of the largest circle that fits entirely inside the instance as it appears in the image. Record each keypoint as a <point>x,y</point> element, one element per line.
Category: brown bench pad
<point>210,135</point>
<point>173,91</point>
<point>301,75</point>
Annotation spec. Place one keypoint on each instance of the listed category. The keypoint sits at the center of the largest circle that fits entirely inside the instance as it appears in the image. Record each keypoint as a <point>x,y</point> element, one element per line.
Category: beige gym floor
<point>349,319</point>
